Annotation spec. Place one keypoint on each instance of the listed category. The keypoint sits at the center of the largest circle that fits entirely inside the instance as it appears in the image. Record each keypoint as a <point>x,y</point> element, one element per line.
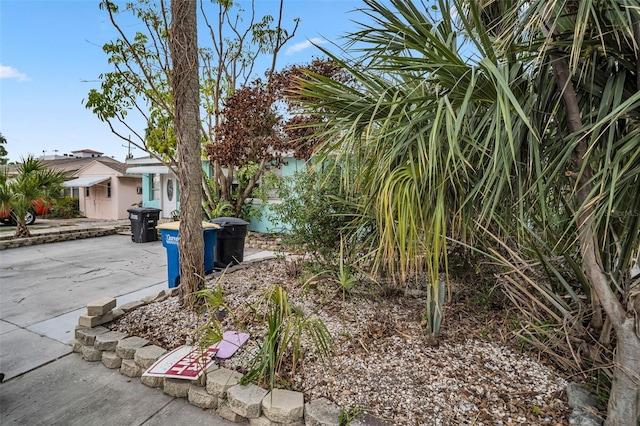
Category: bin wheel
<point>133,239</point>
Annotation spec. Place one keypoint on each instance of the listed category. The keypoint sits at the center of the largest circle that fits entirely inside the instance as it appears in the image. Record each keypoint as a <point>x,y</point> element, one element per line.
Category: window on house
<point>155,187</point>
<point>86,191</point>
<point>108,189</point>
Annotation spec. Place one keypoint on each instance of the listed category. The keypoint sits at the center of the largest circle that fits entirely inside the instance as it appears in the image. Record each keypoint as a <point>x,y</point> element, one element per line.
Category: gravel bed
<point>382,362</point>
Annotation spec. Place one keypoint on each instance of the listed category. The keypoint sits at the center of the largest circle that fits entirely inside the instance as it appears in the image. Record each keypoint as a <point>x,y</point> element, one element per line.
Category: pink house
<point>104,189</point>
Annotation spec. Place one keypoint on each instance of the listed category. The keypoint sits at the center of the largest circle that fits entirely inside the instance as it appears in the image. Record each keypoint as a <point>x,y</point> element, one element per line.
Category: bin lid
<point>175,226</point>
<point>229,221</point>
<point>143,210</point>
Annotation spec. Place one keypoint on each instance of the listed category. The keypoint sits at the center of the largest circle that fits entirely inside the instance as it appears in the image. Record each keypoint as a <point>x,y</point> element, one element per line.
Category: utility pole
<point>129,155</point>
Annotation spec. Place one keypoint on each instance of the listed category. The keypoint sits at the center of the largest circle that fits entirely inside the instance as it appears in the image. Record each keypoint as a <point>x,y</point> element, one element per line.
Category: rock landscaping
<point>381,365</point>
<point>217,389</point>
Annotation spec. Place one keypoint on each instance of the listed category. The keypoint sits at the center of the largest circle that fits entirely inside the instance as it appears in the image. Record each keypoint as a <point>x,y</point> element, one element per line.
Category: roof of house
<point>117,166</point>
<point>87,151</point>
<point>71,165</point>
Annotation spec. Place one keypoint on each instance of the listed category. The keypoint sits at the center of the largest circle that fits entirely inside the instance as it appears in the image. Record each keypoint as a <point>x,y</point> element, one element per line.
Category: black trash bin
<point>229,249</point>
<point>143,224</point>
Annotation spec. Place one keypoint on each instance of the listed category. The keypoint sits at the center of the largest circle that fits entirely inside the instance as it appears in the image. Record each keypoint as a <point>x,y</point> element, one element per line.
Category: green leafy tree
<point>312,211</point>
<point>495,118</point>
<point>34,181</point>
<point>140,82</point>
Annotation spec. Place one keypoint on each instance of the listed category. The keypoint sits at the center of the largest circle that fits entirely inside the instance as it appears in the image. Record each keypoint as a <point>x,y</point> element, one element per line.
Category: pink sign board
<point>231,342</point>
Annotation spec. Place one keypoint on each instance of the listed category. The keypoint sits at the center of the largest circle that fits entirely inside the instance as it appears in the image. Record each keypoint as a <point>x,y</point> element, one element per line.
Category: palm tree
<point>34,181</point>
<point>3,150</point>
<point>499,116</point>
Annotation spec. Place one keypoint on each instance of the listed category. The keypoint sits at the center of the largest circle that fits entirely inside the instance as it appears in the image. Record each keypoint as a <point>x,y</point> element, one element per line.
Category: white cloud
<point>10,72</point>
<point>299,47</point>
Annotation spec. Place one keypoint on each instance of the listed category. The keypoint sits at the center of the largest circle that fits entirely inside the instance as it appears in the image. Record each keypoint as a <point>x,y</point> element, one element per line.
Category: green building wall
<point>264,224</point>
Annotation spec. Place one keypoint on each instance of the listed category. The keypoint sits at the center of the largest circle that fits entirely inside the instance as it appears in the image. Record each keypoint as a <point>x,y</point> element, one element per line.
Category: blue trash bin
<point>170,234</point>
<point>210,238</point>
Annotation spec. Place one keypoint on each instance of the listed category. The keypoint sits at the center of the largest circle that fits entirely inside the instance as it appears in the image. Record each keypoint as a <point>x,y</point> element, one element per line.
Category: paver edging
<point>220,405</point>
<point>56,236</point>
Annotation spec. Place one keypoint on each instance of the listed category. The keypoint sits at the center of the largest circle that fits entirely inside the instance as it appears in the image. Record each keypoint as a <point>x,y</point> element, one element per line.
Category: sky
<point>51,57</point>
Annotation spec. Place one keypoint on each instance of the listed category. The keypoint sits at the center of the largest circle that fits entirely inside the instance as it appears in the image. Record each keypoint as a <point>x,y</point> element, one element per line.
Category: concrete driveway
<point>46,287</point>
<point>43,290</point>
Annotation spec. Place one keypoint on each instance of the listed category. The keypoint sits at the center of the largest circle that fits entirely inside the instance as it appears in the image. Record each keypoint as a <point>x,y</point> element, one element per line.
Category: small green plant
<point>348,415</point>
<point>213,207</point>
<point>341,275</point>
<point>284,384</point>
<point>434,311</point>
<point>280,255</point>
<point>222,209</point>
<point>345,277</point>
<point>213,305</point>
<point>286,327</point>
<point>600,385</point>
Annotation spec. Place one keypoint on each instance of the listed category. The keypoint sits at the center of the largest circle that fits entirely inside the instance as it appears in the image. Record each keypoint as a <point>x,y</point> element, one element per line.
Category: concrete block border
<point>217,390</point>
<point>56,236</point>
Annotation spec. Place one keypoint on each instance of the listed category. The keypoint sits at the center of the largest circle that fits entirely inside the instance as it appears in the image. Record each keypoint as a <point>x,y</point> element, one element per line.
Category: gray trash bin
<point>229,248</point>
<point>143,224</point>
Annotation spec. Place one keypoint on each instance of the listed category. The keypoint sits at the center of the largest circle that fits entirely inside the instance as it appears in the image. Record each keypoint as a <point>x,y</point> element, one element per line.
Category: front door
<point>169,195</point>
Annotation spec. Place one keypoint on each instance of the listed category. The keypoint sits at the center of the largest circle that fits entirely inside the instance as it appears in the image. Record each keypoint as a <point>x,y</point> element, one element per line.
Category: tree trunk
<point>242,197</point>
<point>22,231</point>
<point>183,42</point>
<point>624,399</point>
<point>223,183</point>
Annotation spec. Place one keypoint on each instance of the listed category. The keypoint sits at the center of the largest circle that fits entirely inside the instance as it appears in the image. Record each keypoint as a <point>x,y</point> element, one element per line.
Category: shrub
<point>65,208</point>
<point>312,211</point>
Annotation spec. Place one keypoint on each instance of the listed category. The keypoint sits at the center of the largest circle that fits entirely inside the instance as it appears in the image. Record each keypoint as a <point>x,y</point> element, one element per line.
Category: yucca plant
<point>287,327</point>
<point>339,275</point>
<point>345,277</point>
<point>435,303</point>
